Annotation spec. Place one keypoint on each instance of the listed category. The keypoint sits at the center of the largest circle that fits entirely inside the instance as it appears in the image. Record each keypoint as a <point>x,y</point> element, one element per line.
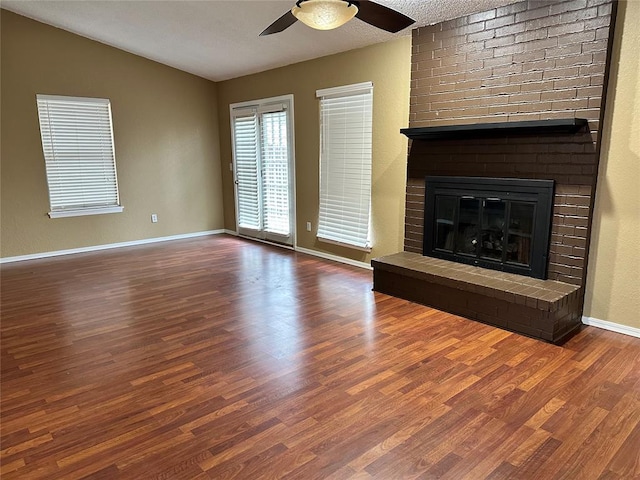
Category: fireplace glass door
<point>491,229</point>
<point>494,226</point>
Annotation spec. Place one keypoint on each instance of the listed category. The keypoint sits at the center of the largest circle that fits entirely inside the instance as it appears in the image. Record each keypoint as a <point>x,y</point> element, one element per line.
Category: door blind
<point>245,126</point>
<point>275,171</point>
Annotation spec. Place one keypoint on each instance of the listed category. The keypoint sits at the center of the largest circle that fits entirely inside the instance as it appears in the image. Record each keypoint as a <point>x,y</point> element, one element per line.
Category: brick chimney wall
<point>531,60</point>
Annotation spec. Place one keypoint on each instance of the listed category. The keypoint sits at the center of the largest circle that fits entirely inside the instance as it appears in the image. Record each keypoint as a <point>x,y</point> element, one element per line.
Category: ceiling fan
<point>329,14</point>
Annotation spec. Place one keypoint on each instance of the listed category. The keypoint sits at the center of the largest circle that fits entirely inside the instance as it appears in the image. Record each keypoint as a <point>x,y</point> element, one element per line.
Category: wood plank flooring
<point>218,358</point>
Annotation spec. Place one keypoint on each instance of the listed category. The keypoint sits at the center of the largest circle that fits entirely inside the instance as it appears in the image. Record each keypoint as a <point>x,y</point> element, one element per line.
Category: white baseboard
<point>326,256</point>
<point>614,327</point>
<point>108,246</point>
<point>335,258</point>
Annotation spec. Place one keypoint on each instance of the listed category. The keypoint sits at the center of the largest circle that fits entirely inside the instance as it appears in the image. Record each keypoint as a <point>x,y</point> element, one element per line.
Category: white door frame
<point>259,105</point>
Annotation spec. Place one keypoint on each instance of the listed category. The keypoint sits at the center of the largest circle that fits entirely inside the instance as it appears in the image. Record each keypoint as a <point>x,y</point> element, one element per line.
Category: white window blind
<point>275,166</point>
<point>345,164</point>
<point>77,142</point>
<point>245,135</point>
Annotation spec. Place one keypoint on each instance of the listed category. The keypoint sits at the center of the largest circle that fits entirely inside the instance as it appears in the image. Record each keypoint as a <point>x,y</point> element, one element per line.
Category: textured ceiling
<point>219,40</point>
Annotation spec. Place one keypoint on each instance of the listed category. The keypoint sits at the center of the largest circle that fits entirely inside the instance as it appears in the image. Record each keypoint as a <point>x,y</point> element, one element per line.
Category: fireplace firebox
<point>497,223</point>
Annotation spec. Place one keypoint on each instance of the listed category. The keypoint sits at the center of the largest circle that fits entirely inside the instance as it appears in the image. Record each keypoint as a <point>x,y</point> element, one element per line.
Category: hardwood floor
<point>222,358</point>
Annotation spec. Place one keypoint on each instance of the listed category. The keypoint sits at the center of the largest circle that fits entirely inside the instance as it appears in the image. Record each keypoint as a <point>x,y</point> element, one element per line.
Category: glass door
<point>263,166</point>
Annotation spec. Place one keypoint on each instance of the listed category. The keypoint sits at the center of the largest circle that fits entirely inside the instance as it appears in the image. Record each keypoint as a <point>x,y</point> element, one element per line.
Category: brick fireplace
<point>528,62</point>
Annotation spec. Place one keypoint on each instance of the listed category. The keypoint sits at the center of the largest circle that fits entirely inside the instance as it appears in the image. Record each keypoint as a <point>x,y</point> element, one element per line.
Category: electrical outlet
<point>231,167</point>
<point>154,218</point>
<point>308,226</point>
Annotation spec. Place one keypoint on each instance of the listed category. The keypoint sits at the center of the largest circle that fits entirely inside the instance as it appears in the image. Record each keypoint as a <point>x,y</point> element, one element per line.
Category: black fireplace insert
<point>498,223</point>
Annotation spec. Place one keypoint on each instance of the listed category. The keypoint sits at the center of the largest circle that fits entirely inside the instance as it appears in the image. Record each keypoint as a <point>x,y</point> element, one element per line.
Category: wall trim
<point>108,246</point>
<point>315,253</point>
<point>614,327</point>
<point>335,258</point>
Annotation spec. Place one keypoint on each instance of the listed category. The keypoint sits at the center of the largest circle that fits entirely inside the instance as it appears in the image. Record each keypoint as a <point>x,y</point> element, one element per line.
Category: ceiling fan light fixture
<point>324,14</point>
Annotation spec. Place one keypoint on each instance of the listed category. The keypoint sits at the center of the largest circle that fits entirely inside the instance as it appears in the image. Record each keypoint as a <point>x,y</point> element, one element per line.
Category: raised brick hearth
<point>532,60</point>
<point>545,309</point>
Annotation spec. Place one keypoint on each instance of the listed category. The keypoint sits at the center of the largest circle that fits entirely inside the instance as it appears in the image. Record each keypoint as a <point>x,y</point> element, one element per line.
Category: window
<point>263,165</point>
<point>345,164</point>
<point>77,142</point>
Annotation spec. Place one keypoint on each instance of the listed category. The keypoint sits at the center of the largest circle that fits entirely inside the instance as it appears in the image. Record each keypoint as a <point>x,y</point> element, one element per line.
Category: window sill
<point>85,211</point>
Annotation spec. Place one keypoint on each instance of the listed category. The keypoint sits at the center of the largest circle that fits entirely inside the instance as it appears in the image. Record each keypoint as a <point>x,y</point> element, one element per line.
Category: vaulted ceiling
<point>219,40</point>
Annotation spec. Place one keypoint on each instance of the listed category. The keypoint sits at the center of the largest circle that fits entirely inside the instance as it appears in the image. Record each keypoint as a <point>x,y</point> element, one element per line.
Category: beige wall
<point>387,65</point>
<point>166,139</point>
<point>613,279</point>
<point>166,132</point>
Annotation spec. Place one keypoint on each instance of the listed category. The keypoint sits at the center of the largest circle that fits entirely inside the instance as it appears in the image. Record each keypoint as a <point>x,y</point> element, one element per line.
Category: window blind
<point>245,136</point>
<point>77,142</point>
<point>275,171</point>
<point>345,164</point>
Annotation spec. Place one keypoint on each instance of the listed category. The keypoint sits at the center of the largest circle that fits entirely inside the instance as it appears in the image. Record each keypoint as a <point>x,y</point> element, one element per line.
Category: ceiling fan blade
<point>382,17</point>
<point>284,22</point>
